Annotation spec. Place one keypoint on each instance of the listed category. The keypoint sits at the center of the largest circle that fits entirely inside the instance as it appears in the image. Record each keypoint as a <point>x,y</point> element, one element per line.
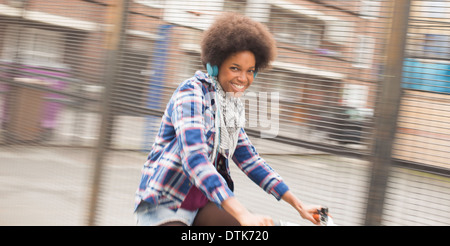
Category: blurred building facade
<point>330,55</point>
<point>327,52</point>
<point>423,132</point>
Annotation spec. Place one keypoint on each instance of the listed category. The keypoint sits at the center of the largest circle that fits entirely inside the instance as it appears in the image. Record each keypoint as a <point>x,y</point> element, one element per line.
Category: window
<point>436,9</point>
<point>355,96</point>
<point>296,29</point>
<point>189,63</point>
<point>437,46</point>
<point>196,14</point>
<point>287,84</point>
<point>32,46</point>
<point>235,6</point>
<point>364,51</point>
<point>152,3</point>
<point>189,57</point>
<point>370,9</point>
<point>339,31</point>
<point>434,46</point>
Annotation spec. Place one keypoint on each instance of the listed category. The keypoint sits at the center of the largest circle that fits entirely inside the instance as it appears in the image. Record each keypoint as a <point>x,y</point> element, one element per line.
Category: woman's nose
<point>242,77</point>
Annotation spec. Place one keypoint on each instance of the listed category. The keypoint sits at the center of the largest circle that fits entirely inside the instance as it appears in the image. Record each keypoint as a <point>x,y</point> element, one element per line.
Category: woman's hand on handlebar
<point>305,211</point>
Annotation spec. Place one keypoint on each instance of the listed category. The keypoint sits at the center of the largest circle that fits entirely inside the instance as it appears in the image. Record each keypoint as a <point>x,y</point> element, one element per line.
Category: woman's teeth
<point>238,86</point>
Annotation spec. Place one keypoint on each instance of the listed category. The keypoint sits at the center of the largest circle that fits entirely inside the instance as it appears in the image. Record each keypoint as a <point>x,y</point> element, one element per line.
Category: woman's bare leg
<point>174,223</point>
<point>211,215</point>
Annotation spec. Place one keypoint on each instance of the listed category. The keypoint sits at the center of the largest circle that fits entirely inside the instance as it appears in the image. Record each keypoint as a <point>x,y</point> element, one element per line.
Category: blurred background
<point>363,112</point>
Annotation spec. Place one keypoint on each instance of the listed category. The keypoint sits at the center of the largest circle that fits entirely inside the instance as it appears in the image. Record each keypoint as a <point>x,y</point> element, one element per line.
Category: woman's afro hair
<point>231,33</point>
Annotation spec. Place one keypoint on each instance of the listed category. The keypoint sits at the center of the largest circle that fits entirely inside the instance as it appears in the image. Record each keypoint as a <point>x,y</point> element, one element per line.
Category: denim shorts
<point>153,215</point>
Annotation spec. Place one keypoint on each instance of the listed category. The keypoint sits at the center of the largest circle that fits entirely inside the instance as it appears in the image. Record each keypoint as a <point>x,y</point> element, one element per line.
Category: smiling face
<point>236,73</point>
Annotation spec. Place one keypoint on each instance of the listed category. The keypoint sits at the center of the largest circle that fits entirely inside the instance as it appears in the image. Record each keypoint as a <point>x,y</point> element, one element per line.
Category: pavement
<point>51,186</point>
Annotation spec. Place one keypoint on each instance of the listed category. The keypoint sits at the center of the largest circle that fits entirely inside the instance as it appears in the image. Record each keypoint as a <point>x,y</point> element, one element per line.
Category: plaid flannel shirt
<point>183,146</point>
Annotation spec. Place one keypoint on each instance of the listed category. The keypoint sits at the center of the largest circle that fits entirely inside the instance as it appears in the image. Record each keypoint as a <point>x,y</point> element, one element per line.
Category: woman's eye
<point>234,69</point>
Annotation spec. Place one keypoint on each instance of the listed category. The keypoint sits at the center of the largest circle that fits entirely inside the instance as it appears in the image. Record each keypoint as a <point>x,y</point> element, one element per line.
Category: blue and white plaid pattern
<point>180,156</point>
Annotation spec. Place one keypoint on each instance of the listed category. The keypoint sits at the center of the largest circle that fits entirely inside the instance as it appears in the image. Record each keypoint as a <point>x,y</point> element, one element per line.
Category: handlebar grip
<point>316,217</point>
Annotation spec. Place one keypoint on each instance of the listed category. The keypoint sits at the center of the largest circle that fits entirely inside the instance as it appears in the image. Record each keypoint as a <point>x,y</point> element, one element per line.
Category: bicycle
<point>321,215</point>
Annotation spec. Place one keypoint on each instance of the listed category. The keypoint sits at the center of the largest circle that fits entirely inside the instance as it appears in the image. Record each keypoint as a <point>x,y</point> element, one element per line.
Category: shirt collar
<point>203,77</point>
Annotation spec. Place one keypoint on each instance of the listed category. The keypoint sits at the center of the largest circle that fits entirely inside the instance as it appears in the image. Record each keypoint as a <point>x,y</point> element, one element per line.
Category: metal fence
<point>357,107</point>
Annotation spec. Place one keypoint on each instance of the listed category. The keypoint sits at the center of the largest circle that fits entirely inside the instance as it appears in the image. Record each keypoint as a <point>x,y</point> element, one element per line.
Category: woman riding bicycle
<point>185,180</point>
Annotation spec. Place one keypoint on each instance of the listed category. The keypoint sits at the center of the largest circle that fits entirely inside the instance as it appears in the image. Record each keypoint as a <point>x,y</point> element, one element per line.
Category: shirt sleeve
<point>256,168</point>
<point>188,121</point>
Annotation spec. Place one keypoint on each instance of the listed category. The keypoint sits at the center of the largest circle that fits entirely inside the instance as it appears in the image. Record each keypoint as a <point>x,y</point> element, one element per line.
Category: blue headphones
<point>214,70</point>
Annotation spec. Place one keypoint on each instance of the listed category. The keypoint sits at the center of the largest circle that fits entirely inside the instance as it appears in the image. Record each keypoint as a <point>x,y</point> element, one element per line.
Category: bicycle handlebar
<point>321,215</point>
